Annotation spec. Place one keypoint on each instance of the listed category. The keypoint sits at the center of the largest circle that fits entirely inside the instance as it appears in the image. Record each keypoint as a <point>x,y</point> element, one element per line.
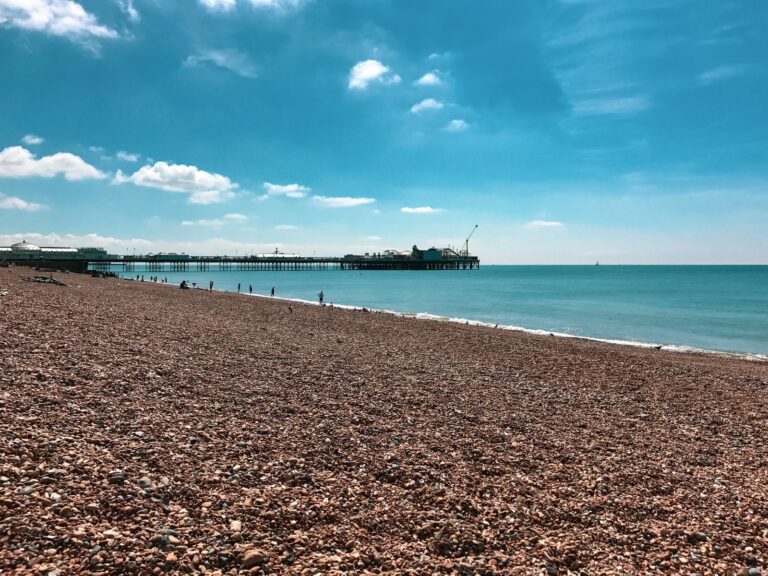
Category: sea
<point>715,308</point>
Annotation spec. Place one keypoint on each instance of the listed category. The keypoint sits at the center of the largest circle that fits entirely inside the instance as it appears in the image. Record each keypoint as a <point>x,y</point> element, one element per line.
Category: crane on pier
<point>465,250</point>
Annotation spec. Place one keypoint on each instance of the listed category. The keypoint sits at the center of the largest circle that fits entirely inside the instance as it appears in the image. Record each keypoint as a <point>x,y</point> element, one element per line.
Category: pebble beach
<point>149,430</point>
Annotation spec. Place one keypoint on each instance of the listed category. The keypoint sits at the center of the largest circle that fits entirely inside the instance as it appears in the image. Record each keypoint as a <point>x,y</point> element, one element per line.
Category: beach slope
<point>146,428</point>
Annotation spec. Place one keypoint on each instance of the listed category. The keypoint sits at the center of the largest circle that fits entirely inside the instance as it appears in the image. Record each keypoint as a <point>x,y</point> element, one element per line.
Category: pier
<point>97,259</point>
<point>174,263</point>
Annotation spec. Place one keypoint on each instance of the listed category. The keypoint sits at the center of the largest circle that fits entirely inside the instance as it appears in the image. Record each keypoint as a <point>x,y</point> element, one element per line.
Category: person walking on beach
<point>210,286</point>
<point>321,296</point>
<point>273,292</point>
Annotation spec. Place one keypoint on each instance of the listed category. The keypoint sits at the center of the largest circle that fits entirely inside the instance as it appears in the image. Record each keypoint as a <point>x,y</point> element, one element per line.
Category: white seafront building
<point>26,251</point>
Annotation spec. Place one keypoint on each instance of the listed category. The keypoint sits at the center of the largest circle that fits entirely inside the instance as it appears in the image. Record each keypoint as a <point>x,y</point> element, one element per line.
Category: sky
<point>569,131</point>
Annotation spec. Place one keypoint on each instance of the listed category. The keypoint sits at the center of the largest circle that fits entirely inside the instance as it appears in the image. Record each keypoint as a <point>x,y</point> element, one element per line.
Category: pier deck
<point>297,263</point>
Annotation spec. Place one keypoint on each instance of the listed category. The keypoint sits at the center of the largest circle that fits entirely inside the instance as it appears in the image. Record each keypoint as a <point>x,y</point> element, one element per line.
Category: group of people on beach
<point>140,277</point>
<point>185,285</point>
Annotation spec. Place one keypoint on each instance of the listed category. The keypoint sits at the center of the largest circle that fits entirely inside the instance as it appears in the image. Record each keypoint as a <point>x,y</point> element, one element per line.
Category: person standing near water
<point>238,287</point>
<point>210,286</point>
<point>321,296</point>
<point>250,289</point>
<point>273,291</point>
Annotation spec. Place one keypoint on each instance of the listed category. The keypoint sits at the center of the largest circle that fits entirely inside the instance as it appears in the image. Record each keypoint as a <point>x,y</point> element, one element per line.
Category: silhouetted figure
<point>238,287</point>
<point>210,286</point>
<point>321,296</point>
<point>273,291</point>
<point>250,289</point>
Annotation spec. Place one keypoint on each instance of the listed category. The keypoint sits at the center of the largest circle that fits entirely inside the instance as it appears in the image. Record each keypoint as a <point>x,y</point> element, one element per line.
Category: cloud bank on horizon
<point>307,124</point>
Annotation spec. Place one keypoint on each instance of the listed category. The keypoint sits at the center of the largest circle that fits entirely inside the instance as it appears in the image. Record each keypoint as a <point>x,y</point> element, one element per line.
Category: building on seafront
<point>24,250</point>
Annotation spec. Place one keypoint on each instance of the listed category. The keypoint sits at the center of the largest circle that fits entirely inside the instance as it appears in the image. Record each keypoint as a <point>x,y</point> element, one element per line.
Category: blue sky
<point>569,130</point>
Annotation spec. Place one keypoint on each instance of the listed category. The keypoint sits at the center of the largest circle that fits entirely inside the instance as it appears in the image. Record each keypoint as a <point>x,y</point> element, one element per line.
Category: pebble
<point>253,557</point>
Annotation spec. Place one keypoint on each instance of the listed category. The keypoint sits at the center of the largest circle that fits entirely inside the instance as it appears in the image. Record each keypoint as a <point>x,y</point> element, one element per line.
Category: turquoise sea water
<point>711,307</point>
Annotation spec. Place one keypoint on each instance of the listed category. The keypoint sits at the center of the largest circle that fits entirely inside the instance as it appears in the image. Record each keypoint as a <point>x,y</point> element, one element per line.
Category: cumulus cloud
<point>18,162</point>
<point>14,203</point>
<point>289,190</point>
<point>369,72</point>
<point>64,18</point>
<point>127,7</point>
<point>232,60</point>
<point>420,210</point>
<point>127,156</point>
<point>539,224</point>
<point>342,201</point>
<point>429,79</point>
<point>456,126</point>
<point>426,104</point>
<point>32,140</point>
<point>203,187</point>
<point>235,217</point>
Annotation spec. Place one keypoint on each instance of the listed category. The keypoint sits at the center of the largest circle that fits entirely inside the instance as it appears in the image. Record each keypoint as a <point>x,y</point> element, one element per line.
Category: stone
<point>117,477</point>
<point>253,557</point>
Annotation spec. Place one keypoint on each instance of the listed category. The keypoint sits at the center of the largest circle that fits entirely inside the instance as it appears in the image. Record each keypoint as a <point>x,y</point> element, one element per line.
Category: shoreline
<point>677,348</point>
<point>150,430</point>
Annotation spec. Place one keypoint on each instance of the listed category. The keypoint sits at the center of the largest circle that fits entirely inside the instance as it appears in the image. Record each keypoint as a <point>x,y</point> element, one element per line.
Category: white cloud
<point>232,60</point>
<point>32,140</point>
<point>372,238</point>
<point>539,224</point>
<point>720,73</point>
<point>286,227</point>
<point>224,5</point>
<point>276,3</point>
<point>289,190</point>
<point>129,10</point>
<point>426,104</point>
<point>97,149</point>
<point>14,203</point>
<point>127,156</point>
<point>64,18</point>
<point>216,222</point>
<point>610,106</point>
<point>18,162</point>
<point>342,201</point>
<point>429,79</point>
<point>203,187</point>
<point>218,4</point>
<point>368,72</point>
<point>420,210</point>
<point>456,126</point>
<point>206,223</point>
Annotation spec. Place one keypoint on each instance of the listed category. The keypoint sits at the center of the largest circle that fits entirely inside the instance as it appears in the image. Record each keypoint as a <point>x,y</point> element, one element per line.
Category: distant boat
<point>597,263</point>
